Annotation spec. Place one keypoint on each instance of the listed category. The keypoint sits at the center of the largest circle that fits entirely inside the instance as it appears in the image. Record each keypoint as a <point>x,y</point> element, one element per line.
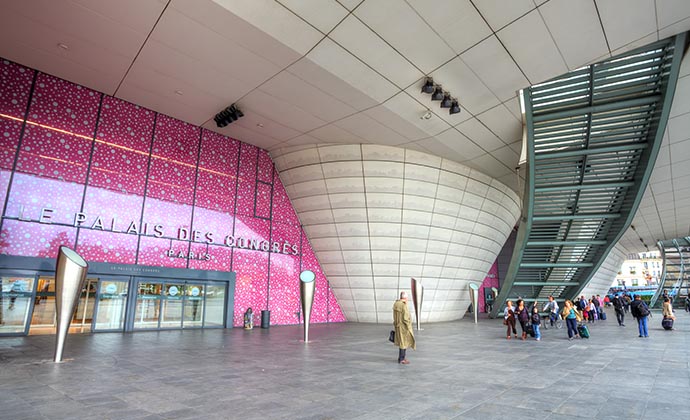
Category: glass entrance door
<point>43,318</point>
<point>111,304</point>
<point>15,303</point>
<point>148,306</point>
<point>175,304</point>
<point>172,305</point>
<point>193,306</point>
<point>83,314</point>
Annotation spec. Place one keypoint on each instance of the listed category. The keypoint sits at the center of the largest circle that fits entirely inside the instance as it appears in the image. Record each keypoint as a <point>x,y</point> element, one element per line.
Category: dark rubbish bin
<point>265,319</point>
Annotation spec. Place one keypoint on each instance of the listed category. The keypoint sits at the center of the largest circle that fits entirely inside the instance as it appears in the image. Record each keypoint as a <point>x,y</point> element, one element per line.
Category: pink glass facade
<point>123,184</point>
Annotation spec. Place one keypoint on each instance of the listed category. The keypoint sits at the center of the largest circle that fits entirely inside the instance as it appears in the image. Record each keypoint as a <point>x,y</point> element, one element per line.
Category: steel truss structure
<point>592,137</point>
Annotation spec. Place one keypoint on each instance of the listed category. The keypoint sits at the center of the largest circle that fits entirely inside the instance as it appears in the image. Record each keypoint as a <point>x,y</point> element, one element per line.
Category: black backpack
<point>643,309</point>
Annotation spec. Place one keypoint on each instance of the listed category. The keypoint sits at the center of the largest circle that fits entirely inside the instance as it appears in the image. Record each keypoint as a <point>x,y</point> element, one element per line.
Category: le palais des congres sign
<point>158,230</point>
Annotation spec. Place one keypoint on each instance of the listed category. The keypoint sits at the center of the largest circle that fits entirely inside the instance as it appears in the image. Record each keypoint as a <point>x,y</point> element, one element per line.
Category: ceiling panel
<point>362,42</point>
<point>322,14</point>
<point>681,100</point>
<point>572,25</point>
<point>406,113</point>
<point>263,125</point>
<point>326,81</point>
<point>231,26</point>
<point>491,62</point>
<point>400,26</point>
<point>457,21</point>
<point>671,11</point>
<point>499,13</point>
<point>236,131</point>
<point>507,156</point>
<point>236,63</point>
<point>299,140</point>
<point>480,135</point>
<point>676,28</point>
<point>679,126</point>
<point>150,86</point>
<point>679,152</point>
<point>281,111</point>
<point>624,20</point>
<point>370,130</point>
<point>531,45</point>
<point>331,133</point>
<point>275,20</point>
<point>502,123</point>
<point>457,78</point>
<point>463,148</point>
<point>101,40</point>
<point>333,58</point>
<point>297,92</point>
<point>350,4</point>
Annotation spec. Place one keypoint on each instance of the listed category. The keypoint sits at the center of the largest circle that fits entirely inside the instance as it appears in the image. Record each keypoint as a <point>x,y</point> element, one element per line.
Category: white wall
<point>378,215</point>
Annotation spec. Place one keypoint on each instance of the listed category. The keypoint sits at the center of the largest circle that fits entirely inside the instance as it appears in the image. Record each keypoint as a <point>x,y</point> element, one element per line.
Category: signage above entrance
<point>157,230</point>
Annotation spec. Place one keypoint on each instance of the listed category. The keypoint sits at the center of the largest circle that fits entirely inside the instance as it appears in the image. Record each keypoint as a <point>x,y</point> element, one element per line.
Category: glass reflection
<point>15,302</point>
<point>147,311</point>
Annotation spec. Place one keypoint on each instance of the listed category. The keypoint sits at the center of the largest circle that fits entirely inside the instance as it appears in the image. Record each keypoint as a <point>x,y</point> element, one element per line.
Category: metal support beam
<point>589,186</point>
<point>549,283</point>
<point>556,265</point>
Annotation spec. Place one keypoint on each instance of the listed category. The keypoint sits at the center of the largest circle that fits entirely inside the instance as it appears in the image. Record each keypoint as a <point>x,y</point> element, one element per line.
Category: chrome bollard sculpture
<point>307,285</point>
<point>417,299</point>
<point>70,273</point>
<point>474,294</point>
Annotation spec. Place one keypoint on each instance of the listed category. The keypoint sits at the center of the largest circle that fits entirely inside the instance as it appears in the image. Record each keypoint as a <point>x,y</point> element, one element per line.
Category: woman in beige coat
<point>404,337</point>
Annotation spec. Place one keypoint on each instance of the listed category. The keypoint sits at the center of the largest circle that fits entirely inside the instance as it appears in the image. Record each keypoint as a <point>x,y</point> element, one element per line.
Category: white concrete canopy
<point>350,72</point>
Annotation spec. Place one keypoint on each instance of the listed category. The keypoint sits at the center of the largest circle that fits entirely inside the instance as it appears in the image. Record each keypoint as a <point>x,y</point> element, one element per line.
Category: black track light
<point>438,94</point>
<point>428,86</point>
<point>447,101</point>
<point>454,108</point>
<point>228,115</point>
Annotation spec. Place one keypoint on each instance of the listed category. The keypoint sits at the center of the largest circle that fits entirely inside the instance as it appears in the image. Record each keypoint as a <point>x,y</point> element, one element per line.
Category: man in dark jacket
<point>640,310</point>
<point>618,305</point>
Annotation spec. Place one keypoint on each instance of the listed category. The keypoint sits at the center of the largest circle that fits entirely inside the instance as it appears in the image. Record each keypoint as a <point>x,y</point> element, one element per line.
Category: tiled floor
<point>460,370</point>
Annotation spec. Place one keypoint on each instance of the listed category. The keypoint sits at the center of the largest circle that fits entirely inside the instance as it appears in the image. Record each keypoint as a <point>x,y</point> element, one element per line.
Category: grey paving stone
<point>460,370</point>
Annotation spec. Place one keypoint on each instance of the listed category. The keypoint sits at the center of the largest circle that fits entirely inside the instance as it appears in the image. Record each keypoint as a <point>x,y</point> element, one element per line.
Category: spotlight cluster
<point>228,115</point>
<point>438,94</point>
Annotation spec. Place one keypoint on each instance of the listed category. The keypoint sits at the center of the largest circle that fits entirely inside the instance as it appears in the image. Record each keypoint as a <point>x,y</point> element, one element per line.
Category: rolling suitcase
<point>667,323</point>
<point>583,331</point>
<point>603,316</point>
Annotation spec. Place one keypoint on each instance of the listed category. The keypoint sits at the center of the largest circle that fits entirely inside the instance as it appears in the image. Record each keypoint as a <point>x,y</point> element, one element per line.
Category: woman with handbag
<point>509,319</point>
<point>522,315</point>
<point>571,318</point>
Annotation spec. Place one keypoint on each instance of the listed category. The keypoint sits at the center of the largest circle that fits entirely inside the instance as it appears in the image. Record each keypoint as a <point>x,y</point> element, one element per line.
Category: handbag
<point>505,322</point>
<point>391,336</point>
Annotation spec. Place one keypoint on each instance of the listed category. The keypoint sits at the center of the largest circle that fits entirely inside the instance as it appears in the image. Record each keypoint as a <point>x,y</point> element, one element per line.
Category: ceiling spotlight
<point>428,86</point>
<point>63,46</point>
<point>426,115</point>
<point>447,101</point>
<point>454,108</point>
<point>438,94</point>
<point>228,115</point>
